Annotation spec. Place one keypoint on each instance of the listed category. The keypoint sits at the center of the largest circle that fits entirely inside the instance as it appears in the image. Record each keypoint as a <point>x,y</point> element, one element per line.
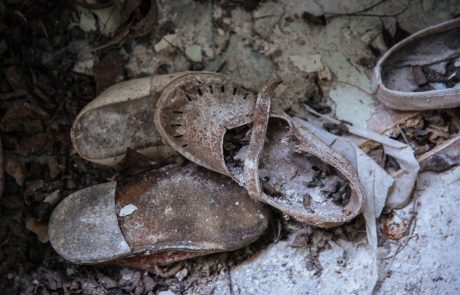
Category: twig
<point>401,246</point>
<point>229,278</point>
<point>352,85</point>
<point>404,136</point>
<point>179,49</point>
<point>359,12</point>
<point>371,6</point>
<point>264,16</point>
<point>91,6</point>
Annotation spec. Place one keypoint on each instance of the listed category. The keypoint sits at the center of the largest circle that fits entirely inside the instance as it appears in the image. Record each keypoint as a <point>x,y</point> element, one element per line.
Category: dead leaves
<point>108,70</point>
<point>138,19</point>
<point>23,116</point>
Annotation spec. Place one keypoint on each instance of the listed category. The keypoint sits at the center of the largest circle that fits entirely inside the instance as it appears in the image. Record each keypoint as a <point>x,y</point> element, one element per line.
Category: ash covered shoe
<point>121,118</point>
<point>208,118</point>
<point>422,72</point>
<point>159,217</point>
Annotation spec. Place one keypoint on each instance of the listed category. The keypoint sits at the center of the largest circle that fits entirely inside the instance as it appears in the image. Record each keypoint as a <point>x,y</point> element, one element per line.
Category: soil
<point>40,96</point>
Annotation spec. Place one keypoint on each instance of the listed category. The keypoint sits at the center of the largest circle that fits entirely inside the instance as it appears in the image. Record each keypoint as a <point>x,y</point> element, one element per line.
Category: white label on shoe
<point>127,210</point>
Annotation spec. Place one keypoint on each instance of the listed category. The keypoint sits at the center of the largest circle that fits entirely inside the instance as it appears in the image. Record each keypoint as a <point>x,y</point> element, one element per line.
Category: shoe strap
<point>260,118</point>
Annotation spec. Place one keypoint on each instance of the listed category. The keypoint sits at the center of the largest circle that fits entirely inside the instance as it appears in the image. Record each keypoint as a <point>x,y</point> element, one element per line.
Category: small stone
<point>53,198</point>
<point>149,283</point>
<point>438,86</point>
<point>306,200</point>
<point>439,67</point>
<point>38,228</point>
<point>300,241</point>
<point>126,274</point>
<point>165,42</point>
<point>54,167</point>
<point>182,274</point>
<point>325,74</point>
<point>16,170</point>
<point>127,210</point>
<point>106,281</point>
<point>194,53</point>
<point>308,63</point>
<point>419,76</point>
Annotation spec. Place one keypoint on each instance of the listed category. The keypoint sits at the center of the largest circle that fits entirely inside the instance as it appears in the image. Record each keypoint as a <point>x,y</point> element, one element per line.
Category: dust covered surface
<point>297,180</point>
<point>56,56</point>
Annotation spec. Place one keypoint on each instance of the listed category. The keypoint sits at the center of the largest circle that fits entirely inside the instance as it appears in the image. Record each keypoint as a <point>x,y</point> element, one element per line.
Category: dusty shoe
<point>422,72</point>
<point>121,118</point>
<point>207,118</point>
<point>165,215</point>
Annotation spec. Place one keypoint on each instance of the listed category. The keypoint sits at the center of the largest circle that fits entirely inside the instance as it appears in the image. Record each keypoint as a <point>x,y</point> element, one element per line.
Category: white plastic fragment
<point>165,42</point>
<point>299,26</point>
<point>182,274</point>
<point>109,19</point>
<point>194,53</point>
<point>308,63</point>
<point>127,210</point>
<point>53,198</point>
<point>438,86</point>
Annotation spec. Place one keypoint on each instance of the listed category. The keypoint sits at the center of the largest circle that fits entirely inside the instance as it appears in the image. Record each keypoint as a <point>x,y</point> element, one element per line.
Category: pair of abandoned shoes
<point>243,153</point>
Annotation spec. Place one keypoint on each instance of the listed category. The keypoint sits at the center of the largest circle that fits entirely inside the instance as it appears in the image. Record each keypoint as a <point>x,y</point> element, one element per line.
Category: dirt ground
<point>56,56</point>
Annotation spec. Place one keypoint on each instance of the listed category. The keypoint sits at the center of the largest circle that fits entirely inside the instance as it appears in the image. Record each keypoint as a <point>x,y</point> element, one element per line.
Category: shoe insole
<point>296,180</point>
<point>429,50</point>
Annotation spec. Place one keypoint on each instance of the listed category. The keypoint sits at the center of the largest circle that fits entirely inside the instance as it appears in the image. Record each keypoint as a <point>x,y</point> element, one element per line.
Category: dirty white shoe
<point>422,72</point>
<point>121,117</point>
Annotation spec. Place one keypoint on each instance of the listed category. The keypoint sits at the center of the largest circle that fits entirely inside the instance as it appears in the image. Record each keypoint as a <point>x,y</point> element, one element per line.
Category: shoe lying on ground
<point>422,72</point>
<point>302,177</point>
<point>121,118</point>
<point>164,215</point>
<point>195,112</point>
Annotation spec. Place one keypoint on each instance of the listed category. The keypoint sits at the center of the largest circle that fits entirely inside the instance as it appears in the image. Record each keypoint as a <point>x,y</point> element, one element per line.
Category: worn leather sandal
<point>162,216</point>
<point>420,72</point>
<point>121,118</point>
<point>206,117</point>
